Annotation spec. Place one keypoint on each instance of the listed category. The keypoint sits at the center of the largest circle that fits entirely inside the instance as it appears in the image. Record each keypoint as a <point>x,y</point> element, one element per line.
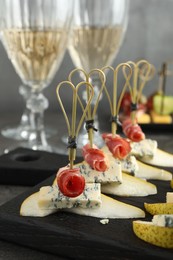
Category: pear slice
<point>152,173</point>
<point>112,209</point>
<point>130,186</point>
<point>30,207</point>
<point>159,208</point>
<point>109,208</point>
<point>171,183</point>
<point>156,235</point>
<point>160,158</point>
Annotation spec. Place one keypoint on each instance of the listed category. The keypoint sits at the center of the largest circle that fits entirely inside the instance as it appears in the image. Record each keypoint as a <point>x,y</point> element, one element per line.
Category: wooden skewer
<point>163,87</point>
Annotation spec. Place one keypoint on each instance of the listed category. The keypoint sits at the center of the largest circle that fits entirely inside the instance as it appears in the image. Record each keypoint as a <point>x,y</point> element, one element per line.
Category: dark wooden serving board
<point>27,167</point>
<point>157,128</point>
<point>80,237</point>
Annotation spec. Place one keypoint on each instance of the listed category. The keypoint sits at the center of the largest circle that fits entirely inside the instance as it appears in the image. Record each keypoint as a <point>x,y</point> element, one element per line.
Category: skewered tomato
<point>71,183</point>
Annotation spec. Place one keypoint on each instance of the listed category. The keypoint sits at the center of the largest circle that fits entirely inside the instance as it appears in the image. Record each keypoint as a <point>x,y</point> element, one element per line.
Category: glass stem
<point>25,92</point>
<point>37,103</point>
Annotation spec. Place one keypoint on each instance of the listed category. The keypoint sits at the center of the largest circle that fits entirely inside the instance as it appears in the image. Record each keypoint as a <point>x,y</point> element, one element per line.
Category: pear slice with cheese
<point>128,165</point>
<point>154,234</point>
<point>141,170</point>
<point>110,208</point>
<point>112,174</point>
<point>159,208</point>
<point>163,220</point>
<point>160,158</point>
<point>152,173</point>
<point>30,207</point>
<point>50,197</point>
<point>130,186</point>
<point>144,149</point>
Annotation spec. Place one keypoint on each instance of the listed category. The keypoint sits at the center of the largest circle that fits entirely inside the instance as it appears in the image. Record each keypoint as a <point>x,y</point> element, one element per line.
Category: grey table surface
<point>10,251</point>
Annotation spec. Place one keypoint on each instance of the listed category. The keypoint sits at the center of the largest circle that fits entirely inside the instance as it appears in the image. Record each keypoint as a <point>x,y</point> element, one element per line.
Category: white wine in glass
<point>34,53</point>
<point>97,33</point>
<point>35,35</point>
<point>85,50</point>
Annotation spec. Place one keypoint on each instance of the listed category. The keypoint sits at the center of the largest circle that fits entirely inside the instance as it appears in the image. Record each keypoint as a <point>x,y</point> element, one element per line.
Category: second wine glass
<point>34,34</point>
<point>96,36</point>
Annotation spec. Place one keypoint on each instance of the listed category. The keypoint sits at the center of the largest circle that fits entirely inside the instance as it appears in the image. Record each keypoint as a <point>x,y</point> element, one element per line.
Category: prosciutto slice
<point>118,146</point>
<point>132,131</point>
<point>95,158</point>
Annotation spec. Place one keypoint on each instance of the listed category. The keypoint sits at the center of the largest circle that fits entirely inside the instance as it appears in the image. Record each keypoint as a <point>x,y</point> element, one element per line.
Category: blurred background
<point>149,35</point>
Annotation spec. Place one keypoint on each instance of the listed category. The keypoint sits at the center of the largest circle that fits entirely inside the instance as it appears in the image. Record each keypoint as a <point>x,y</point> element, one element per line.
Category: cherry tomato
<point>71,183</point>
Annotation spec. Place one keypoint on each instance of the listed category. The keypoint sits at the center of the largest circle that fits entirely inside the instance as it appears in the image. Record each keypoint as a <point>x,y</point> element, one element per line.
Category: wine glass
<point>97,33</point>
<point>35,34</point>
<point>22,130</point>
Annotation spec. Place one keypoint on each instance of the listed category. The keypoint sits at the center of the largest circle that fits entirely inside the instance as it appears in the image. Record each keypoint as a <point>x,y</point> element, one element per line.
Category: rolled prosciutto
<point>132,131</point>
<point>95,158</point>
<point>118,146</point>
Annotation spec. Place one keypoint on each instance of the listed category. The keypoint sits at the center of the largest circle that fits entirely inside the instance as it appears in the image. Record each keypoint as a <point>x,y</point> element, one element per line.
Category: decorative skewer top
<point>143,71</point>
<point>115,102</point>
<point>118,146</point>
<point>91,111</point>
<point>73,128</point>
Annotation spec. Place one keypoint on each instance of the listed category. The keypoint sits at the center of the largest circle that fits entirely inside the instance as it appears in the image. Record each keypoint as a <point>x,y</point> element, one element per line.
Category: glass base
<point>46,148</point>
<point>20,133</point>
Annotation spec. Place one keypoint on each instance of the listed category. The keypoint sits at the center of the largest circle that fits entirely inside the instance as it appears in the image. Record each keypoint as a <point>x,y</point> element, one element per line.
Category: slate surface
<point>79,237</point>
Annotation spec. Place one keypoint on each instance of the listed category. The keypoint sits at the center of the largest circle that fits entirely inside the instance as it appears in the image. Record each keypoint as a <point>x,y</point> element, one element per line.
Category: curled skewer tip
<point>73,128</point>
<point>114,101</point>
